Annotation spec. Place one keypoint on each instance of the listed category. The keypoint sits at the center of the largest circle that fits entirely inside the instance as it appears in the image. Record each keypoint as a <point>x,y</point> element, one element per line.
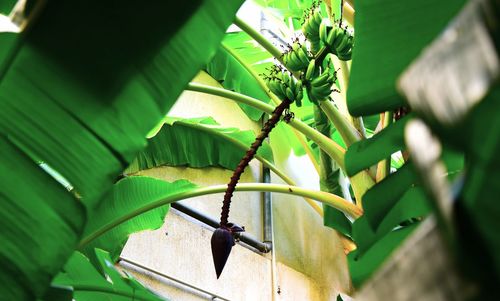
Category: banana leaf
<point>412,206</point>
<point>89,284</point>
<point>389,35</point>
<point>41,223</point>
<point>126,196</point>
<point>478,138</point>
<point>233,76</point>
<point>365,153</point>
<point>58,293</point>
<point>362,267</point>
<point>197,142</point>
<point>8,40</point>
<point>379,200</point>
<point>243,46</point>
<point>80,91</point>
<point>382,27</point>
<point>6,6</point>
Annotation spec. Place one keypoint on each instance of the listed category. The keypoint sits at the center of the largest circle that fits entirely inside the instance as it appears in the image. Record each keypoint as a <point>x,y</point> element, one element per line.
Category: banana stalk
<point>329,170</point>
<point>222,239</point>
<point>266,129</point>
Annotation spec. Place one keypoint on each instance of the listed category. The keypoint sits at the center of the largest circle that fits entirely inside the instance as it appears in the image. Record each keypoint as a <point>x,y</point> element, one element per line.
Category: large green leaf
<point>362,267</point>
<point>227,70</point>
<point>412,205</point>
<point>89,284</point>
<point>197,142</point>
<point>6,6</point>
<point>337,220</point>
<point>134,207</point>
<point>58,293</point>
<point>245,48</point>
<point>368,152</point>
<point>91,83</point>
<point>9,42</point>
<point>481,182</point>
<point>389,35</point>
<point>127,196</point>
<point>41,223</point>
<point>283,140</point>
<point>80,93</point>
<point>363,235</point>
<point>480,198</point>
<point>389,211</point>
<point>379,200</point>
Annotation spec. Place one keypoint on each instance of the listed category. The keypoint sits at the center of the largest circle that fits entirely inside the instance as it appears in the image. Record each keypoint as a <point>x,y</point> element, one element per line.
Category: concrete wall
<point>309,265</point>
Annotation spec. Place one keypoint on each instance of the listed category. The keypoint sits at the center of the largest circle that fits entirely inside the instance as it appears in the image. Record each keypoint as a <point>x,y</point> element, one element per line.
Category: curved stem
<point>346,129</point>
<point>266,129</point>
<point>384,166</point>
<point>349,11</point>
<point>361,182</point>
<point>258,37</point>
<point>357,122</point>
<point>335,151</point>
<point>323,197</point>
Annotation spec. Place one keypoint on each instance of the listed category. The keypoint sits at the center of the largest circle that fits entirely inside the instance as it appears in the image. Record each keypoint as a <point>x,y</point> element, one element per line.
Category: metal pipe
<point>263,247</point>
<point>268,230</point>
<point>138,265</point>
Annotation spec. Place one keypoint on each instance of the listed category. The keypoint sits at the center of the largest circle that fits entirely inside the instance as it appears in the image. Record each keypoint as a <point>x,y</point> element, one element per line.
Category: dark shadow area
<point>104,43</point>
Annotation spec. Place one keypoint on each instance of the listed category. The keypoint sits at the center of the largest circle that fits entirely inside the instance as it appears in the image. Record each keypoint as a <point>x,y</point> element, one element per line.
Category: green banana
<point>326,86</point>
<point>343,43</point>
<point>297,62</point>
<point>332,78</point>
<point>332,35</point>
<point>321,92</point>
<point>297,87</point>
<point>289,94</point>
<point>347,46</point>
<point>275,88</point>
<point>298,98</point>
<point>339,33</point>
<point>302,54</point>
<point>323,32</point>
<point>286,78</point>
<point>345,57</point>
<point>310,70</point>
<point>289,59</point>
<point>296,59</point>
<point>320,80</point>
<point>317,16</point>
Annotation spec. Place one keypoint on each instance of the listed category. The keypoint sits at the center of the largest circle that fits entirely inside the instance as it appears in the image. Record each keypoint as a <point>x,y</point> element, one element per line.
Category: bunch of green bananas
<point>297,57</point>
<point>284,85</point>
<point>318,84</point>
<point>310,26</point>
<point>338,40</point>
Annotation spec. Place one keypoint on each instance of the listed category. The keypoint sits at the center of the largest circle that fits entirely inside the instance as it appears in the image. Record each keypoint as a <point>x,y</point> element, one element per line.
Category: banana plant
<point>311,75</point>
<point>92,150</point>
<point>375,234</point>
